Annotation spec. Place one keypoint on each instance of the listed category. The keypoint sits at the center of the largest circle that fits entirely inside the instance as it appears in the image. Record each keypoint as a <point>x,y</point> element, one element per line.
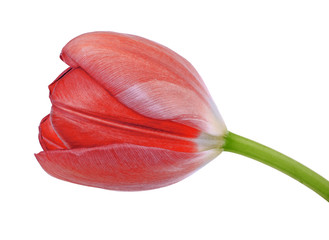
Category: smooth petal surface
<point>123,166</point>
<point>84,114</point>
<point>129,66</point>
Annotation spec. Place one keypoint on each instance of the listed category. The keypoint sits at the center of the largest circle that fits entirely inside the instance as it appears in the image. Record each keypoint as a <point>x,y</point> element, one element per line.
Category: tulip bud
<point>128,114</point>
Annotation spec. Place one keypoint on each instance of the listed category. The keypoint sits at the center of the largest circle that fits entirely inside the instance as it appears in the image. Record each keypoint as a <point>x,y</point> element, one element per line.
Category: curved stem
<point>246,147</point>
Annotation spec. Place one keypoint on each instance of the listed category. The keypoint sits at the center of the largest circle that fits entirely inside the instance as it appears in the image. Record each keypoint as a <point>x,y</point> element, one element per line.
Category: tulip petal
<point>125,167</point>
<point>114,53</point>
<point>84,114</point>
<point>163,100</point>
<point>48,138</point>
<point>124,63</point>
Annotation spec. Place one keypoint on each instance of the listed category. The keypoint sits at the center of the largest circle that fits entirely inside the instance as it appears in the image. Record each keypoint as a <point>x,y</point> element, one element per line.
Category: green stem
<point>240,145</point>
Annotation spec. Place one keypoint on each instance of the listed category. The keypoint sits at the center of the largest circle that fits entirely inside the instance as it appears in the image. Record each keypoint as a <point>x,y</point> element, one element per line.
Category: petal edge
<point>124,167</point>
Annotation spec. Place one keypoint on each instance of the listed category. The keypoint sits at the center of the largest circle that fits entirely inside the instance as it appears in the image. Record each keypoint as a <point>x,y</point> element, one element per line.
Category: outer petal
<point>123,166</point>
<point>127,65</point>
<point>84,114</point>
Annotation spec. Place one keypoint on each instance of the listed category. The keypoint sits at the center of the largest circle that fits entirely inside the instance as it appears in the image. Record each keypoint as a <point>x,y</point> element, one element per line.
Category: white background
<point>266,66</point>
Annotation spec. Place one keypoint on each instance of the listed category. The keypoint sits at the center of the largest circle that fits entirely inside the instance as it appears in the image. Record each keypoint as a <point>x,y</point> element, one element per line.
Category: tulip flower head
<point>130,114</point>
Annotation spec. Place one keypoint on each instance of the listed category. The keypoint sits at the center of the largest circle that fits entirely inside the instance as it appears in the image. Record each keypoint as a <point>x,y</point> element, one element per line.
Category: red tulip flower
<point>130,114</point>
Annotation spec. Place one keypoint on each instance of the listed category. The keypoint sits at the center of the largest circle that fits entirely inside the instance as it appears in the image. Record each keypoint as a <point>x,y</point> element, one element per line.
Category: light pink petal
<point>123,166</point>
<point>163,100</point>
<point>124,64</point>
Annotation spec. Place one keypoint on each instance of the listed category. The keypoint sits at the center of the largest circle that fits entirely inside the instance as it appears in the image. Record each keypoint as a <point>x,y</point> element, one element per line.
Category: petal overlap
<point>119,62</point>
<point>48,137</point>
<point>86,115</point>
